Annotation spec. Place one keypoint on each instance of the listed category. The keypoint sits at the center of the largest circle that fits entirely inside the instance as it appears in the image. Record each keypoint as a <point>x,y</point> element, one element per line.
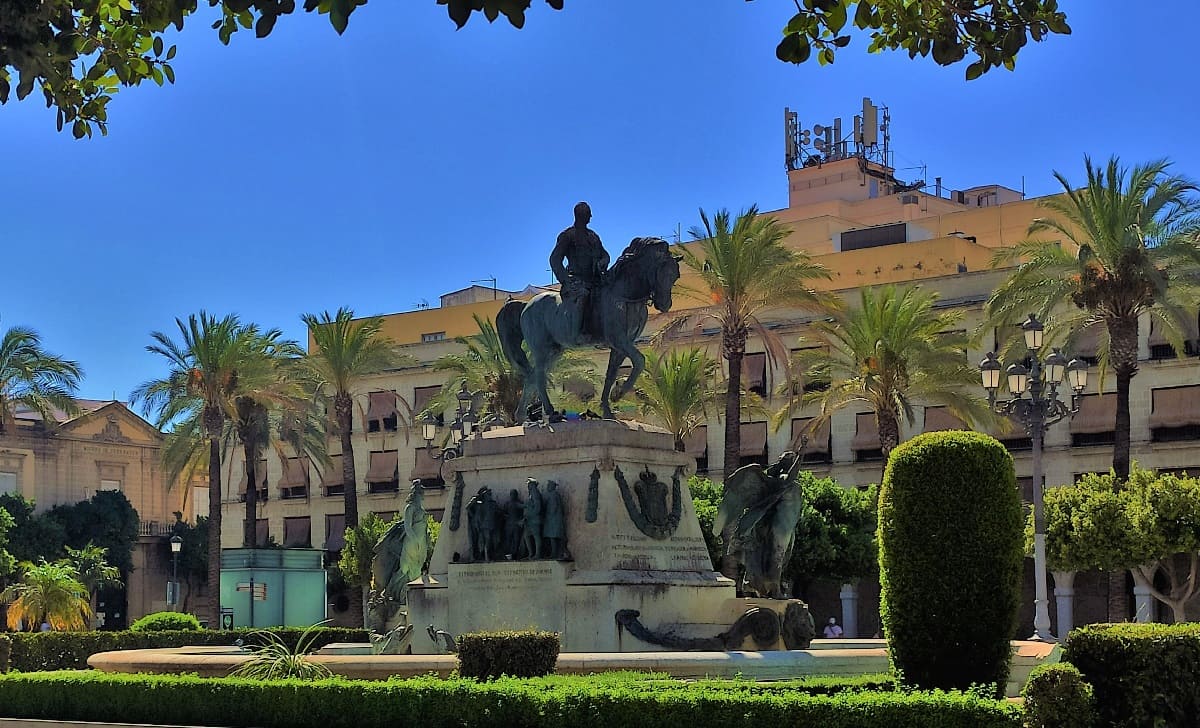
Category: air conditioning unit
<point>910,199</point>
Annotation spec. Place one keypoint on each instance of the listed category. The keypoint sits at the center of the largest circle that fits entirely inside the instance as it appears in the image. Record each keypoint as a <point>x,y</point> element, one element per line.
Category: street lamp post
<point>176,547</point>
<point>464,426</point>
<point>1042,409</point>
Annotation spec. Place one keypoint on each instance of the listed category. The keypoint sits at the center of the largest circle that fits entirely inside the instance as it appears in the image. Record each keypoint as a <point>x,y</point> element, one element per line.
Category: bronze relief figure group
<point>533,528</point>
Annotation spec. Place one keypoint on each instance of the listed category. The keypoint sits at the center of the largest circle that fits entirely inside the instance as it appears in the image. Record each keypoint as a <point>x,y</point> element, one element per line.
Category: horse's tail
<point>508,327</point>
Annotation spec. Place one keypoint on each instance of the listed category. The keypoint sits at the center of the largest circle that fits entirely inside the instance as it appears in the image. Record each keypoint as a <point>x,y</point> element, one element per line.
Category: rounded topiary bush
<point>1057,696</point>
<point>160,621</point>
<point>488,655</point>
<point>950,558</point>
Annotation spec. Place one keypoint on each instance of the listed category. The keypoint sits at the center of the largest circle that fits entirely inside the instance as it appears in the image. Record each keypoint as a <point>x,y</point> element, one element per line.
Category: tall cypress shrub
<point>950,558</point>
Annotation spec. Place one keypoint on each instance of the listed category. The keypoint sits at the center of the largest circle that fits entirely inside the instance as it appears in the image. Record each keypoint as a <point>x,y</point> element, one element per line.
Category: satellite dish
<point>818,129</point>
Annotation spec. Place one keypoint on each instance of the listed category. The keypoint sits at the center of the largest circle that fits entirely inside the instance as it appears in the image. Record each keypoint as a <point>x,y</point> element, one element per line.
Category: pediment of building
<point>112,423</point>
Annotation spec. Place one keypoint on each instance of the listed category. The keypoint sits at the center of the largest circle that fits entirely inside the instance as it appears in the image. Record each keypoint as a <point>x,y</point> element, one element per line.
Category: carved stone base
<point>631,530</point>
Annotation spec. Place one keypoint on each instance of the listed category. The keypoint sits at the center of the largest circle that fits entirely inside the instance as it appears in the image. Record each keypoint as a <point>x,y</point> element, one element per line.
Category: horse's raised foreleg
<point>638,360</point>
<point>615,357</point>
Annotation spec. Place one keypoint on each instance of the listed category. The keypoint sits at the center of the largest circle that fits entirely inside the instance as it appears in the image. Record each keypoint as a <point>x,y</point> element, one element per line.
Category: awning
<point>1175,406</point>
<point>332,475</point>
<point>260,472</point>
<point>1088,343</point>
<point>422,396</point>
<point>754,438</point>
<point>296,532</point>
<point>818,440</point>
<point>866,436</point>
<point>295,473</point>
<point>754,371</point>
<point>1097,413</point>
<point>696,443</point>
<point>425,467</point>
<point>938,419</point>
<point>381,405</point>
<point>383,467</point>
<point>1159,338</point>
<point>335,531</point>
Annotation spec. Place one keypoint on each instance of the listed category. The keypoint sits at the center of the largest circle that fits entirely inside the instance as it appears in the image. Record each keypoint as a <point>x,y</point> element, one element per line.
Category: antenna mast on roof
<point>820,143</point>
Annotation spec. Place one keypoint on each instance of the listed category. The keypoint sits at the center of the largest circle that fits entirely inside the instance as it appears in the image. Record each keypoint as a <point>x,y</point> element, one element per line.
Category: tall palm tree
<point>1123,245</point>
<point>33,378</point>
<point>745,268</point>
<point>48,593</point>
<point>93,570</point>
<point>346,350</point>
<point>266,382</point>
<point>679,389</point>
<point>889,352</point>
<point>203,379</point>
<point>485,369</point>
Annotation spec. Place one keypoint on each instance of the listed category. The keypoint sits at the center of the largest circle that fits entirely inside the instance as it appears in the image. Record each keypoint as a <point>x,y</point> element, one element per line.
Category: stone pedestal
<point>1064,601</point>
<point>849,597</point>
<point>633,545</point>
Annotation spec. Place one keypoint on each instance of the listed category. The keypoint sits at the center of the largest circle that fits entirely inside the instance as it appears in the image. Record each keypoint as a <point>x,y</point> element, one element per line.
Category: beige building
<point>855,218</point>
<point>105,447</point>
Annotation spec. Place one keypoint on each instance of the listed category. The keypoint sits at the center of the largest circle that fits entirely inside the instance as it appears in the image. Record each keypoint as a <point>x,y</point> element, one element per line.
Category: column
<point>849,596</point>
<point>1064,601</point>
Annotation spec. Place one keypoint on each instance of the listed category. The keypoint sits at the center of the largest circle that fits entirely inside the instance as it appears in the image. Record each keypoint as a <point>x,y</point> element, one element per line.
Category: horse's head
<point>649,261</point>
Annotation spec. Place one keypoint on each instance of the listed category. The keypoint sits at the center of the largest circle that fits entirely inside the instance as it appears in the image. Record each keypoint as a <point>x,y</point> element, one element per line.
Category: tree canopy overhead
<point>80,52</point>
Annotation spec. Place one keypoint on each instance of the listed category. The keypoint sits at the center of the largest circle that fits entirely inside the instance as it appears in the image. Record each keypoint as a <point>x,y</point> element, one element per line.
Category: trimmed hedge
<point>1056,696</point>
<point>1143,674</point>
<point>166,622</point>
<point>39,651</point>
<point>463,703</point>
<point>5,652</point>
<point>488,655</point>
<point>950,558</point>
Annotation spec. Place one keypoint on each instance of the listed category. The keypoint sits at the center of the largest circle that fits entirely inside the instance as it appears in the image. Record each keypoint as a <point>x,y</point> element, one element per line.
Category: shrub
<point>1056,696</point>
<point>950,560</point>
<point>5,652</point>
<point>1143,674</point>
<point>165,621</point>
<point>459,703</point>
<point>37,651</point>
<point>488,655</point>
<point>273,658</point>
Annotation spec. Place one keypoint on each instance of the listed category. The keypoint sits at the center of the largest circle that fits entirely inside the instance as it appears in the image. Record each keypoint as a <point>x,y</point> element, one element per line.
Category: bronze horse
<point>644,273</point>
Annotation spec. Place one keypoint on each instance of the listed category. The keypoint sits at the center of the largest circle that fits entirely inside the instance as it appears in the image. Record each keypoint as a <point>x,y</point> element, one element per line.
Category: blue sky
<point>429,157</point>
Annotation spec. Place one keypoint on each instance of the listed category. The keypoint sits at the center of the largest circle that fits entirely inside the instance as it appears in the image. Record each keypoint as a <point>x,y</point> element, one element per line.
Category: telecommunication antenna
<point>870,138</point>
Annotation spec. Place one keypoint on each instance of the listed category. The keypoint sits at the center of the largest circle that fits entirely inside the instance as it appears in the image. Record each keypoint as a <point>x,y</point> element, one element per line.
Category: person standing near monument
<point>586,262</point>
<point>553,528</point>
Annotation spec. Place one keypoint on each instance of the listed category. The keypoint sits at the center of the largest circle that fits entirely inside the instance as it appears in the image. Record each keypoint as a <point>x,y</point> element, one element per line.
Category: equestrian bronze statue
<point>596,306</point>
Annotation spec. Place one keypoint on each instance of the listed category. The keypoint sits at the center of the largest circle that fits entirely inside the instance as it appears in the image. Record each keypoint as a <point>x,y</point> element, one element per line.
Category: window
<point>433,336</point>
<point>865,444</point>
<point>8,483</point>
<point>381,412</point>
<point>754,373</point>
<point>382,475</point>
<point>110,484</point>
<point>1096,421</point>
<point>331,478</point>
<point>297,533</point>
<point>754,443</point>
<point>426,469</point>
<point>1175,414</point>
<point>422,396</point>
<point>335,531</point>
<point>817,449</point>
<point>294,483</point>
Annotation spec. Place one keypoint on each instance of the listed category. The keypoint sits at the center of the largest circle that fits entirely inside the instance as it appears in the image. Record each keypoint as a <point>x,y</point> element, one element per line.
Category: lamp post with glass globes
<point>1042,409</point>
<point>176,547</point>
<point>463,427</point>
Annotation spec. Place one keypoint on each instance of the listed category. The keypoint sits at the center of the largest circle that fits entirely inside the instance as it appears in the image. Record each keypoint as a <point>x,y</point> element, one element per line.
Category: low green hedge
<point>488,655</point>
<point>1143,674</point>
<point>166,622</point>
<point>465,703</point>
<point>1057,696</point>
<point>39,651</point>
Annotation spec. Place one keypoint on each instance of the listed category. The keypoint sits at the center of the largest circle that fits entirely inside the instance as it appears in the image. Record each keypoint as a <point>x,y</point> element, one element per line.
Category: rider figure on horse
<point>586,264</point>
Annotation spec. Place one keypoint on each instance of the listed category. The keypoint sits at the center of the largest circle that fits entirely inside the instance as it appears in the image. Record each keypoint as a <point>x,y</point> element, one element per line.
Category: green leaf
<point>171,52</point>
<point>79,129</point>
<point>265,24</point>
<point>863,16</point>
<point>825,57</point>
<point>168,72</point>
<point>793,49</point>
<point>975,70</point>
<point>158,45</point>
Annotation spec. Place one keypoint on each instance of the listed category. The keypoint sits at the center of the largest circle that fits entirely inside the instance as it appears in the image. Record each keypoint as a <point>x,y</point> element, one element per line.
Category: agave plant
<point>274,659</point>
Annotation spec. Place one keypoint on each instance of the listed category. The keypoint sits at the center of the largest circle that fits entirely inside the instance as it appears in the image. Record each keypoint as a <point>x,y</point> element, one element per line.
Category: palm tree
<point>48,593</point>
<point>678,389</point>
<point>32,378</point>
<point>889,352</point>
<point>203,379</point>
<point>266,382</point>
<point>91,565</point>
<point>1131,248</point>
<point>485,369</point>
<point>745,268</point>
